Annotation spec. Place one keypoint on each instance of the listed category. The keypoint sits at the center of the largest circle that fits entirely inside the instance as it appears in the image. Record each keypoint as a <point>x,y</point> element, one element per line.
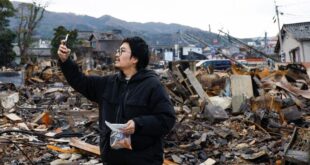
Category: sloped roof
<point>106,36</point>
<point>40,51</point>
<point>300,31</point>
<point>84,35</point>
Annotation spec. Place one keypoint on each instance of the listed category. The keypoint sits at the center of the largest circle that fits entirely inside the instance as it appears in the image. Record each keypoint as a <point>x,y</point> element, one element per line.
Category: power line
<point>294,4</point>
<point>290,6</point>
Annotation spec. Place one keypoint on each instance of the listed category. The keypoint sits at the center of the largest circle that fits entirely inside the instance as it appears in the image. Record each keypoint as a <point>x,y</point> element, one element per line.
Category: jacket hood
<point>139,76</point>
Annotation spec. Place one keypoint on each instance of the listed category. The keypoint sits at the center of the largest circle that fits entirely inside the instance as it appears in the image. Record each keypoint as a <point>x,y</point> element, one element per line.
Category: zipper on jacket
<point>121,107</point>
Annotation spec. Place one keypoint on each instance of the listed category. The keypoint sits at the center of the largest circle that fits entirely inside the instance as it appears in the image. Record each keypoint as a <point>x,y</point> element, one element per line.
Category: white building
<point>191,48</point>
<point>295,42</point>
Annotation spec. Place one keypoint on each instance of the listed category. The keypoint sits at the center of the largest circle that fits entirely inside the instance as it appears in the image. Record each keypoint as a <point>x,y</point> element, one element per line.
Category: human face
<point>123,58</point>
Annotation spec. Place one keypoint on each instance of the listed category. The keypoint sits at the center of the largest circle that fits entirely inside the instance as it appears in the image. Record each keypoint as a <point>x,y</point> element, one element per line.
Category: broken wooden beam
<point>13,117</point>
<point>197,86</point>
<point>75,142</point>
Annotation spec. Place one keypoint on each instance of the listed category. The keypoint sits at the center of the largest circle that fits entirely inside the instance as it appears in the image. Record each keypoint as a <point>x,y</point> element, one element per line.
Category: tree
<point>59,34</point>
<point>29,17</point>
<point>6,35</point>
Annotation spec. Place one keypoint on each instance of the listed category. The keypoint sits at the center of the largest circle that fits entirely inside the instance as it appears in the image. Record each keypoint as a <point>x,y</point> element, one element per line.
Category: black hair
<point>139,50</point>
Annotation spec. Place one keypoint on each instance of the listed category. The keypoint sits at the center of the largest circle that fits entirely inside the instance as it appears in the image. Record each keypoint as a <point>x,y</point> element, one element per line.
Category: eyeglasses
<point>120,51</point>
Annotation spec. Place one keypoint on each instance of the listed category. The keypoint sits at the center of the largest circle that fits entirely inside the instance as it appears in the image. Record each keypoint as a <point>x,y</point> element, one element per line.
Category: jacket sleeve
<point>163,118</point>
<point>89,86</point>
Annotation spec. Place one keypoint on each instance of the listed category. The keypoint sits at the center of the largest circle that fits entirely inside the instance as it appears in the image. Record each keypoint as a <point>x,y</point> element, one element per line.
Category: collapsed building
<point>243,115</point>
<point>239,116</point>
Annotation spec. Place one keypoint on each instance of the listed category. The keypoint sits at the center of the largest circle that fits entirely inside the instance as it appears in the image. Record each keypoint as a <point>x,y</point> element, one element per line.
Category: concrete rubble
<point>260,116</point>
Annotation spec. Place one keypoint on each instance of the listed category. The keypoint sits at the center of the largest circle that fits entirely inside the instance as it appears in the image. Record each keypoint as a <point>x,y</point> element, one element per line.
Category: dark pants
<point>128,157</point>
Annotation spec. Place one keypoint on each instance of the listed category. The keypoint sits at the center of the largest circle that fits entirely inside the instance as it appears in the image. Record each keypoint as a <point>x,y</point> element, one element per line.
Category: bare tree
<point>29,17</point>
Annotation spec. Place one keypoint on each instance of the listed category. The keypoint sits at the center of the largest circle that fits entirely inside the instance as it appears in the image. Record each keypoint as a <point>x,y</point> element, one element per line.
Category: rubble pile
<point>240,116</point>
<point>41,121</point>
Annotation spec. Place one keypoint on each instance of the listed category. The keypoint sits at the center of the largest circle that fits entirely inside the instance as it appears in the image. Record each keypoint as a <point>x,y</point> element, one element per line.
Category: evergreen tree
<point>6,35</point>
<point>59,34</point>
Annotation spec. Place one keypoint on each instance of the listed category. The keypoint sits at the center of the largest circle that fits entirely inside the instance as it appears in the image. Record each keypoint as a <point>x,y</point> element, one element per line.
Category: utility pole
<point>280,34</point>
<point>266,46</point>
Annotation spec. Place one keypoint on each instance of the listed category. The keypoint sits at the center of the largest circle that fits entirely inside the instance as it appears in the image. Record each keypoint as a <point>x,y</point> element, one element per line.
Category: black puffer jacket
<point>142,98</point>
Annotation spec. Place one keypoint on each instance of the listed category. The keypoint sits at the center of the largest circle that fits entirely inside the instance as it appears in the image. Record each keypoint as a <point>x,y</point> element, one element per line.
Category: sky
<point>241,18</point>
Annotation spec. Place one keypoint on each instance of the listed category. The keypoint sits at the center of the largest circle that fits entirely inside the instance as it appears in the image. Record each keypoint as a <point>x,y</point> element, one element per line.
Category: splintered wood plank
<point>183,79</point>
<point>241,88</point>
<point>196,85</point>
<point>13,117</point>
<point>44,118</point>
<point>168,162</point>
<point>294,90</point>
<point>177,72</point>
<point>241,85</point>
<point>173,95</point>
<point>183,90</point>
<point>75,142</point>
<point>22,126</point>
<point>296,156</point>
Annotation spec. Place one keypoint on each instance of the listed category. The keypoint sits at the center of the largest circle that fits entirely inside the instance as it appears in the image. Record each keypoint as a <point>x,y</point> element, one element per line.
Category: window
<point>93,44</point>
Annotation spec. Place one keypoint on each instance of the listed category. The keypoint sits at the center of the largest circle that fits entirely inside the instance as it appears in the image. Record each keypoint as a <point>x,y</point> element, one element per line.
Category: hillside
<point>153,32</point>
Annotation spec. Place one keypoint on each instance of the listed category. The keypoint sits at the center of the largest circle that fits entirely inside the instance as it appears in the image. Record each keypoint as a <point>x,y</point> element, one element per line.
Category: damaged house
<point>105,44</point>
<point>296,42</point>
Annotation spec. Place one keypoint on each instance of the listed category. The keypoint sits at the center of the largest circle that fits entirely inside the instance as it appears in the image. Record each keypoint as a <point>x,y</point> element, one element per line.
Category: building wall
<point>306,51</point>
<point>186,50</point>
<point>38,53</point>
<point>290,43</point>
<point>108,46</point>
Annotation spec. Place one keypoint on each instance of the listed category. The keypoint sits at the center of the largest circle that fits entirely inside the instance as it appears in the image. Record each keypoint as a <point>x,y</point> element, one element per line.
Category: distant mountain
<point>155,33</point>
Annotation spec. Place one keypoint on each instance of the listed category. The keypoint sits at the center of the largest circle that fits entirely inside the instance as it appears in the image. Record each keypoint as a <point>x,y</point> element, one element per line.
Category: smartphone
<point>66,39</point>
